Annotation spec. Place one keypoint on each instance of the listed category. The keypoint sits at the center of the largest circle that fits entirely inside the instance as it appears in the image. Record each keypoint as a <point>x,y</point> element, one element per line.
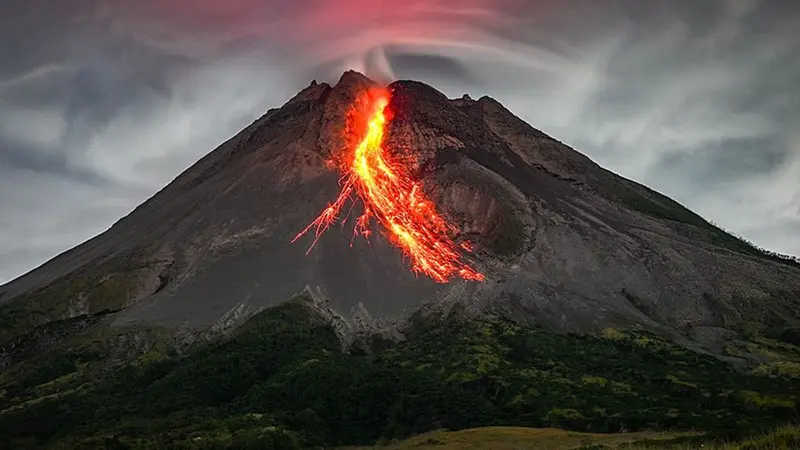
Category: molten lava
<point>392,196</point>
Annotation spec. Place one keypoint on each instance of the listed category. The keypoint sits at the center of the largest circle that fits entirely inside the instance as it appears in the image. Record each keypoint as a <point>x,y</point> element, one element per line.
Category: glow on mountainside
<point>391,195</point>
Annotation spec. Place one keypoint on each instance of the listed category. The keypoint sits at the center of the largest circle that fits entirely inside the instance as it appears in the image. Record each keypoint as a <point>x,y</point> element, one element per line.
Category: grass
<point>521,438</point>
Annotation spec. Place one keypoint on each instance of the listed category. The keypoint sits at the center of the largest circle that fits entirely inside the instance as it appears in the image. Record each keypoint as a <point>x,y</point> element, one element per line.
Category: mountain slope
<point>564,243</point>
<point>180,326</point>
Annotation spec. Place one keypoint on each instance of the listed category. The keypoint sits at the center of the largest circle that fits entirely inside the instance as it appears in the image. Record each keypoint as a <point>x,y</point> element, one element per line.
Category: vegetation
<point>517,438</point>
<point>645,200</point>
<point>85,294</point>
<point>283,381</point>
<point>514,438</point>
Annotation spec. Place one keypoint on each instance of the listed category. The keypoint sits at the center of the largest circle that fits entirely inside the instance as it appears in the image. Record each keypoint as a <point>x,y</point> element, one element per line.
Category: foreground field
<point>520,438</point>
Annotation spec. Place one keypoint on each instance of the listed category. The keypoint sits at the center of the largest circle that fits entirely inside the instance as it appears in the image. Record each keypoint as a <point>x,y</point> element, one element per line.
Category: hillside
<point>515,438</point>
<point>563,242</point>
<point>283,380</point>
<point>196,321</point>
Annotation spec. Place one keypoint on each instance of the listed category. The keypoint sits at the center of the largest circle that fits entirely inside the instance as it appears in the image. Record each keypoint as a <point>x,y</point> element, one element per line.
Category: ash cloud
<point>104,102</point>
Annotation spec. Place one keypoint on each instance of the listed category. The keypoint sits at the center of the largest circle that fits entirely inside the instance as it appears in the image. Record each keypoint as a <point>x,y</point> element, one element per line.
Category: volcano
<point>544,235</point>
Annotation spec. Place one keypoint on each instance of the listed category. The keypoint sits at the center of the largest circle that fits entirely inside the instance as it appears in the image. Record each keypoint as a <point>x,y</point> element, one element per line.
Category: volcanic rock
<point>563,243</point>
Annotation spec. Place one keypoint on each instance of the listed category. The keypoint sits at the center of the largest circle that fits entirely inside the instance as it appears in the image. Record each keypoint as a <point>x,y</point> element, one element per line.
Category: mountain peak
<point>562,242</point>
<point>355,79</point>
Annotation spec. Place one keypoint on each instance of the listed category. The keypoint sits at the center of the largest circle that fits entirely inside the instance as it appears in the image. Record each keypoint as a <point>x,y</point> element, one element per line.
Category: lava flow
<point>391,195</point>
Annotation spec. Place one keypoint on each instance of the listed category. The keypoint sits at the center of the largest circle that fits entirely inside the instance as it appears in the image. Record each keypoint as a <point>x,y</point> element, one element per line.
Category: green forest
<point>284,381</point>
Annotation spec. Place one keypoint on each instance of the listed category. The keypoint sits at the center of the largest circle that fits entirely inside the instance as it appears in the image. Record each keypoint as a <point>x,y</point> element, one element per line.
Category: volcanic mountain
<point>558,241</point>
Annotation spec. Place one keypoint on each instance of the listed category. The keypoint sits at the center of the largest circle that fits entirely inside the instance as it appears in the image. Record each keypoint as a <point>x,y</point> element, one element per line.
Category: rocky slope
<point>563,242</point>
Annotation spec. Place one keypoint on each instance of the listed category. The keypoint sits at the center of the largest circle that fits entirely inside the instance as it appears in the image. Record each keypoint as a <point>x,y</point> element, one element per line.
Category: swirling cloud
<point>104,101</point>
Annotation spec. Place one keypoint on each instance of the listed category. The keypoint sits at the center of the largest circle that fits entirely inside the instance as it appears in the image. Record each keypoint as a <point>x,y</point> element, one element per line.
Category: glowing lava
<point>390,195</point>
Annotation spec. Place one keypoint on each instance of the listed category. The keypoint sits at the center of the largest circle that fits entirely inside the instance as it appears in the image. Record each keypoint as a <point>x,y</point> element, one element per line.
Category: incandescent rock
<point>563,242</point>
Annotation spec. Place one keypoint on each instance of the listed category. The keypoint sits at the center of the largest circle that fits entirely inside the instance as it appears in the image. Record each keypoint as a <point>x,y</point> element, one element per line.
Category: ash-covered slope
<point>562,242</point>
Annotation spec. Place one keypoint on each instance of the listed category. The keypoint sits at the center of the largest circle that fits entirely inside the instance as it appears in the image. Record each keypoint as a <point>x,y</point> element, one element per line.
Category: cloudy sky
<point>102,102</point>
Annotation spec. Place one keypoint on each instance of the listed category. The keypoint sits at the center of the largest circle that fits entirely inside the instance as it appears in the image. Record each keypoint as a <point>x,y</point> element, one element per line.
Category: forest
<point>284,381</point>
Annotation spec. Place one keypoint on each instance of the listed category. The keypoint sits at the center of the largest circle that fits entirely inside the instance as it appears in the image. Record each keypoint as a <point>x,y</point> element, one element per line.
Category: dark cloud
<point>732,159</point>
<point>104,101</point>
<point>18,157</point>
<point>424,66</point>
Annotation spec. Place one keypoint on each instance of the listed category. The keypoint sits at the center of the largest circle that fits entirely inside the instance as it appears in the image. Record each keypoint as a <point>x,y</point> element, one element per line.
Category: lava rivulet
<point>392,196</point>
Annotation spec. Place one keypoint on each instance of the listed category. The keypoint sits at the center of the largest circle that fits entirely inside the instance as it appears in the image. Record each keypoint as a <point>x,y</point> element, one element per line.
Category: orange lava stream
<point>397,202</point>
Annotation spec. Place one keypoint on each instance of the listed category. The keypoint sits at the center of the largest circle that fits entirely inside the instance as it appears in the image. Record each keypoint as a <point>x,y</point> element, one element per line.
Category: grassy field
<point>520,438</point>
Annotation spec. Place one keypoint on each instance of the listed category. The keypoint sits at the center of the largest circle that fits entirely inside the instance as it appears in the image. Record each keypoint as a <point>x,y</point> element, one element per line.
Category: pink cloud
<point>346,31</point>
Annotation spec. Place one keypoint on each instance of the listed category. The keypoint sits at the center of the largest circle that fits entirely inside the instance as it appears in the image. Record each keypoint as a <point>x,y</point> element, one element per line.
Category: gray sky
<point>102,102</point>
